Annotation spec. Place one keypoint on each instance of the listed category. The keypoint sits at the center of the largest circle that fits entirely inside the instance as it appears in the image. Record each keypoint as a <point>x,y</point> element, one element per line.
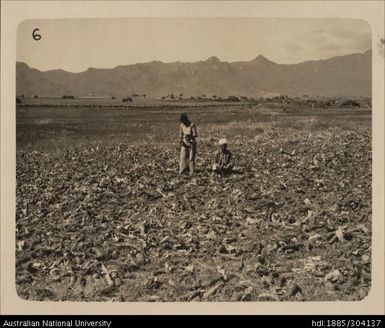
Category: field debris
<point>117,223</point>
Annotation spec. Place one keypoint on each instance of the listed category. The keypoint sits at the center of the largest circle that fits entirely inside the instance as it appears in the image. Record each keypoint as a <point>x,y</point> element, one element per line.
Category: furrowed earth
<point>104,216</point>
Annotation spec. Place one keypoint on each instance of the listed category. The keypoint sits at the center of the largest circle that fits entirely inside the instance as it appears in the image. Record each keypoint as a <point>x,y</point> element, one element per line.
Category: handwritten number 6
<point>36,36</point>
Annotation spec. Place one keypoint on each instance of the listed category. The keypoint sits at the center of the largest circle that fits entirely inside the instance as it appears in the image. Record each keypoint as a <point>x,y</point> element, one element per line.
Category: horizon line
<point>210,59</point>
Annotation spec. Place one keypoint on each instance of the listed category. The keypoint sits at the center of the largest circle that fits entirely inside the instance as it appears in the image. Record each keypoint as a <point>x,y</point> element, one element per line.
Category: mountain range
<point>348,75</point>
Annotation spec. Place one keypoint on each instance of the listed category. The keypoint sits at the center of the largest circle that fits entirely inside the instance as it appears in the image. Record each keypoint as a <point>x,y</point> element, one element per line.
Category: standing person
<point>222,163</point>
<point>188,135</point>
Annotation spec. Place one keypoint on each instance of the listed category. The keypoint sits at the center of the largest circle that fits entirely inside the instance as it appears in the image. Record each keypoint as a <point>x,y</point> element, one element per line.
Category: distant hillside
<point>348,75</point>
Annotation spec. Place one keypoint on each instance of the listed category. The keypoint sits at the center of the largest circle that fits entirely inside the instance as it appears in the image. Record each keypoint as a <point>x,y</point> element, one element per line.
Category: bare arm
<point>216,158</point>
<point>194,131</point>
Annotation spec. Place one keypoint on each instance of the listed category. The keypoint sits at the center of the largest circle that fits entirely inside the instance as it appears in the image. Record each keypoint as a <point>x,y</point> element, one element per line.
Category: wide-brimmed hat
<point>222,141</point>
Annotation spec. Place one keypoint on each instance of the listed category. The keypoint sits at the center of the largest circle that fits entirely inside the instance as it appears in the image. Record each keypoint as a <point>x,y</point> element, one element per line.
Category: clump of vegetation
<point>350,103</point>
<point>127,99</point>
<point>232,98</point>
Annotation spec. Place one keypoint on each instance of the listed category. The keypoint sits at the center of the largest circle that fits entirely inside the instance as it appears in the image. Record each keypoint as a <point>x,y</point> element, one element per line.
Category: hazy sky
<point>77,44</point>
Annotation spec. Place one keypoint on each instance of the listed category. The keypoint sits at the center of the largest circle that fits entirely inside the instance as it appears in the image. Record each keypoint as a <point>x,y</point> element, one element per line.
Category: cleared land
<point>103,215</point>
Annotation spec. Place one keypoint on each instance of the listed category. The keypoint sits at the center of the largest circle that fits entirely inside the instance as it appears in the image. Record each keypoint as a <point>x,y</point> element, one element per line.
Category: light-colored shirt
<point>188,134</point>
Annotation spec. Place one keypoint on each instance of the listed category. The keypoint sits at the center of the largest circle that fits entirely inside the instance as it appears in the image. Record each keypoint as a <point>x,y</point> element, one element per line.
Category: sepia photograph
<point>194,159</point>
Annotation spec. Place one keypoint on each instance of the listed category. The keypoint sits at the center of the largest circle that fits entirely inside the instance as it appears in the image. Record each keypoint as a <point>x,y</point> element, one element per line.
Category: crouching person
<point>222,163</point>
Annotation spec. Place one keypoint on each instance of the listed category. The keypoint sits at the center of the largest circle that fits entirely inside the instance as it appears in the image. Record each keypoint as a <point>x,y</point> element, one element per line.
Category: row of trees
<point>204,97</point>
<point>282,100</point>
<point>337,102</point>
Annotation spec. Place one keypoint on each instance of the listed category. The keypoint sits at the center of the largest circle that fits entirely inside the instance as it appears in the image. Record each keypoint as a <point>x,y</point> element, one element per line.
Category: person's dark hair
<point>184,119</point>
